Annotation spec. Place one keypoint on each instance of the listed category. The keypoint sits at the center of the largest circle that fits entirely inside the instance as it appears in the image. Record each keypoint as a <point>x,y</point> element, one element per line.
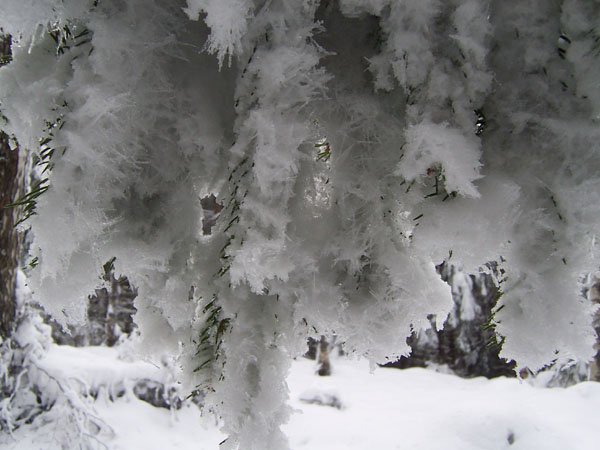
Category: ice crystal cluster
<point>353,145</point>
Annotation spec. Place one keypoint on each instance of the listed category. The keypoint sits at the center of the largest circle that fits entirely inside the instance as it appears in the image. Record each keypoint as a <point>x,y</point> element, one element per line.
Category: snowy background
<point>353,409</point>
<point>407,176</point>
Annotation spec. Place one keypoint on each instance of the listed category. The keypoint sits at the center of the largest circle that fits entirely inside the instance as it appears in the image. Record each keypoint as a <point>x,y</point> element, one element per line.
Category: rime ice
<point>463,131</point>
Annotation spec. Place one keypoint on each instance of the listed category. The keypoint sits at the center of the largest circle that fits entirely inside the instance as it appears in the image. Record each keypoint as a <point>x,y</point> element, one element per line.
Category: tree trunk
<point>594,296</point>
<point>324,364</point>
<point>11,188</point>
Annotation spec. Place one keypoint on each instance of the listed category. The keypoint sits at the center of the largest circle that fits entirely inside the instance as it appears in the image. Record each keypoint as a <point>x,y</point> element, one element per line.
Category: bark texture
<point>11,188</point>
<point>594,296</point>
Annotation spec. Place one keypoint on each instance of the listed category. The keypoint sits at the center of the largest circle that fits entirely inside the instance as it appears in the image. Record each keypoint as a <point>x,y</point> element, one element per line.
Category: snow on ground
<point>353,410</point>
<point>138,425</point>
<point>131,425</point>
<point>423,409</point>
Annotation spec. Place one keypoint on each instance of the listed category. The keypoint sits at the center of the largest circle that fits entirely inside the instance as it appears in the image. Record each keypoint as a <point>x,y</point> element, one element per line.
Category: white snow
<point>429,145</point>
<point>419,100</point>
<point>227,21</point>
<point>139,425</point>
<point>386,409</point>
<point>423,409</point>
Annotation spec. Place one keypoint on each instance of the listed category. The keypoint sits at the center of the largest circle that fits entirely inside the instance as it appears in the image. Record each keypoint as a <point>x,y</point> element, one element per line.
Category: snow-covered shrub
<point>458,131</point>
<point>467,345</point>
<point>50,393</point>
<point>41,399</point>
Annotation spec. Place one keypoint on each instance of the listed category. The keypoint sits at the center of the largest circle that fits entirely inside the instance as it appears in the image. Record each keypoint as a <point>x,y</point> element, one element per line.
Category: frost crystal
<point>463,131</point>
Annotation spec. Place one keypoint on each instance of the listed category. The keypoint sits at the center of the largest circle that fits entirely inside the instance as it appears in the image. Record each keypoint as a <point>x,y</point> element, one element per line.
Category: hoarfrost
<point>419,102</point>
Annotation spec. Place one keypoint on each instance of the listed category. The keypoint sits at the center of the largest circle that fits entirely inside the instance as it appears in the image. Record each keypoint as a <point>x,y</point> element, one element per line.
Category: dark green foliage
<point>209,353</point>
